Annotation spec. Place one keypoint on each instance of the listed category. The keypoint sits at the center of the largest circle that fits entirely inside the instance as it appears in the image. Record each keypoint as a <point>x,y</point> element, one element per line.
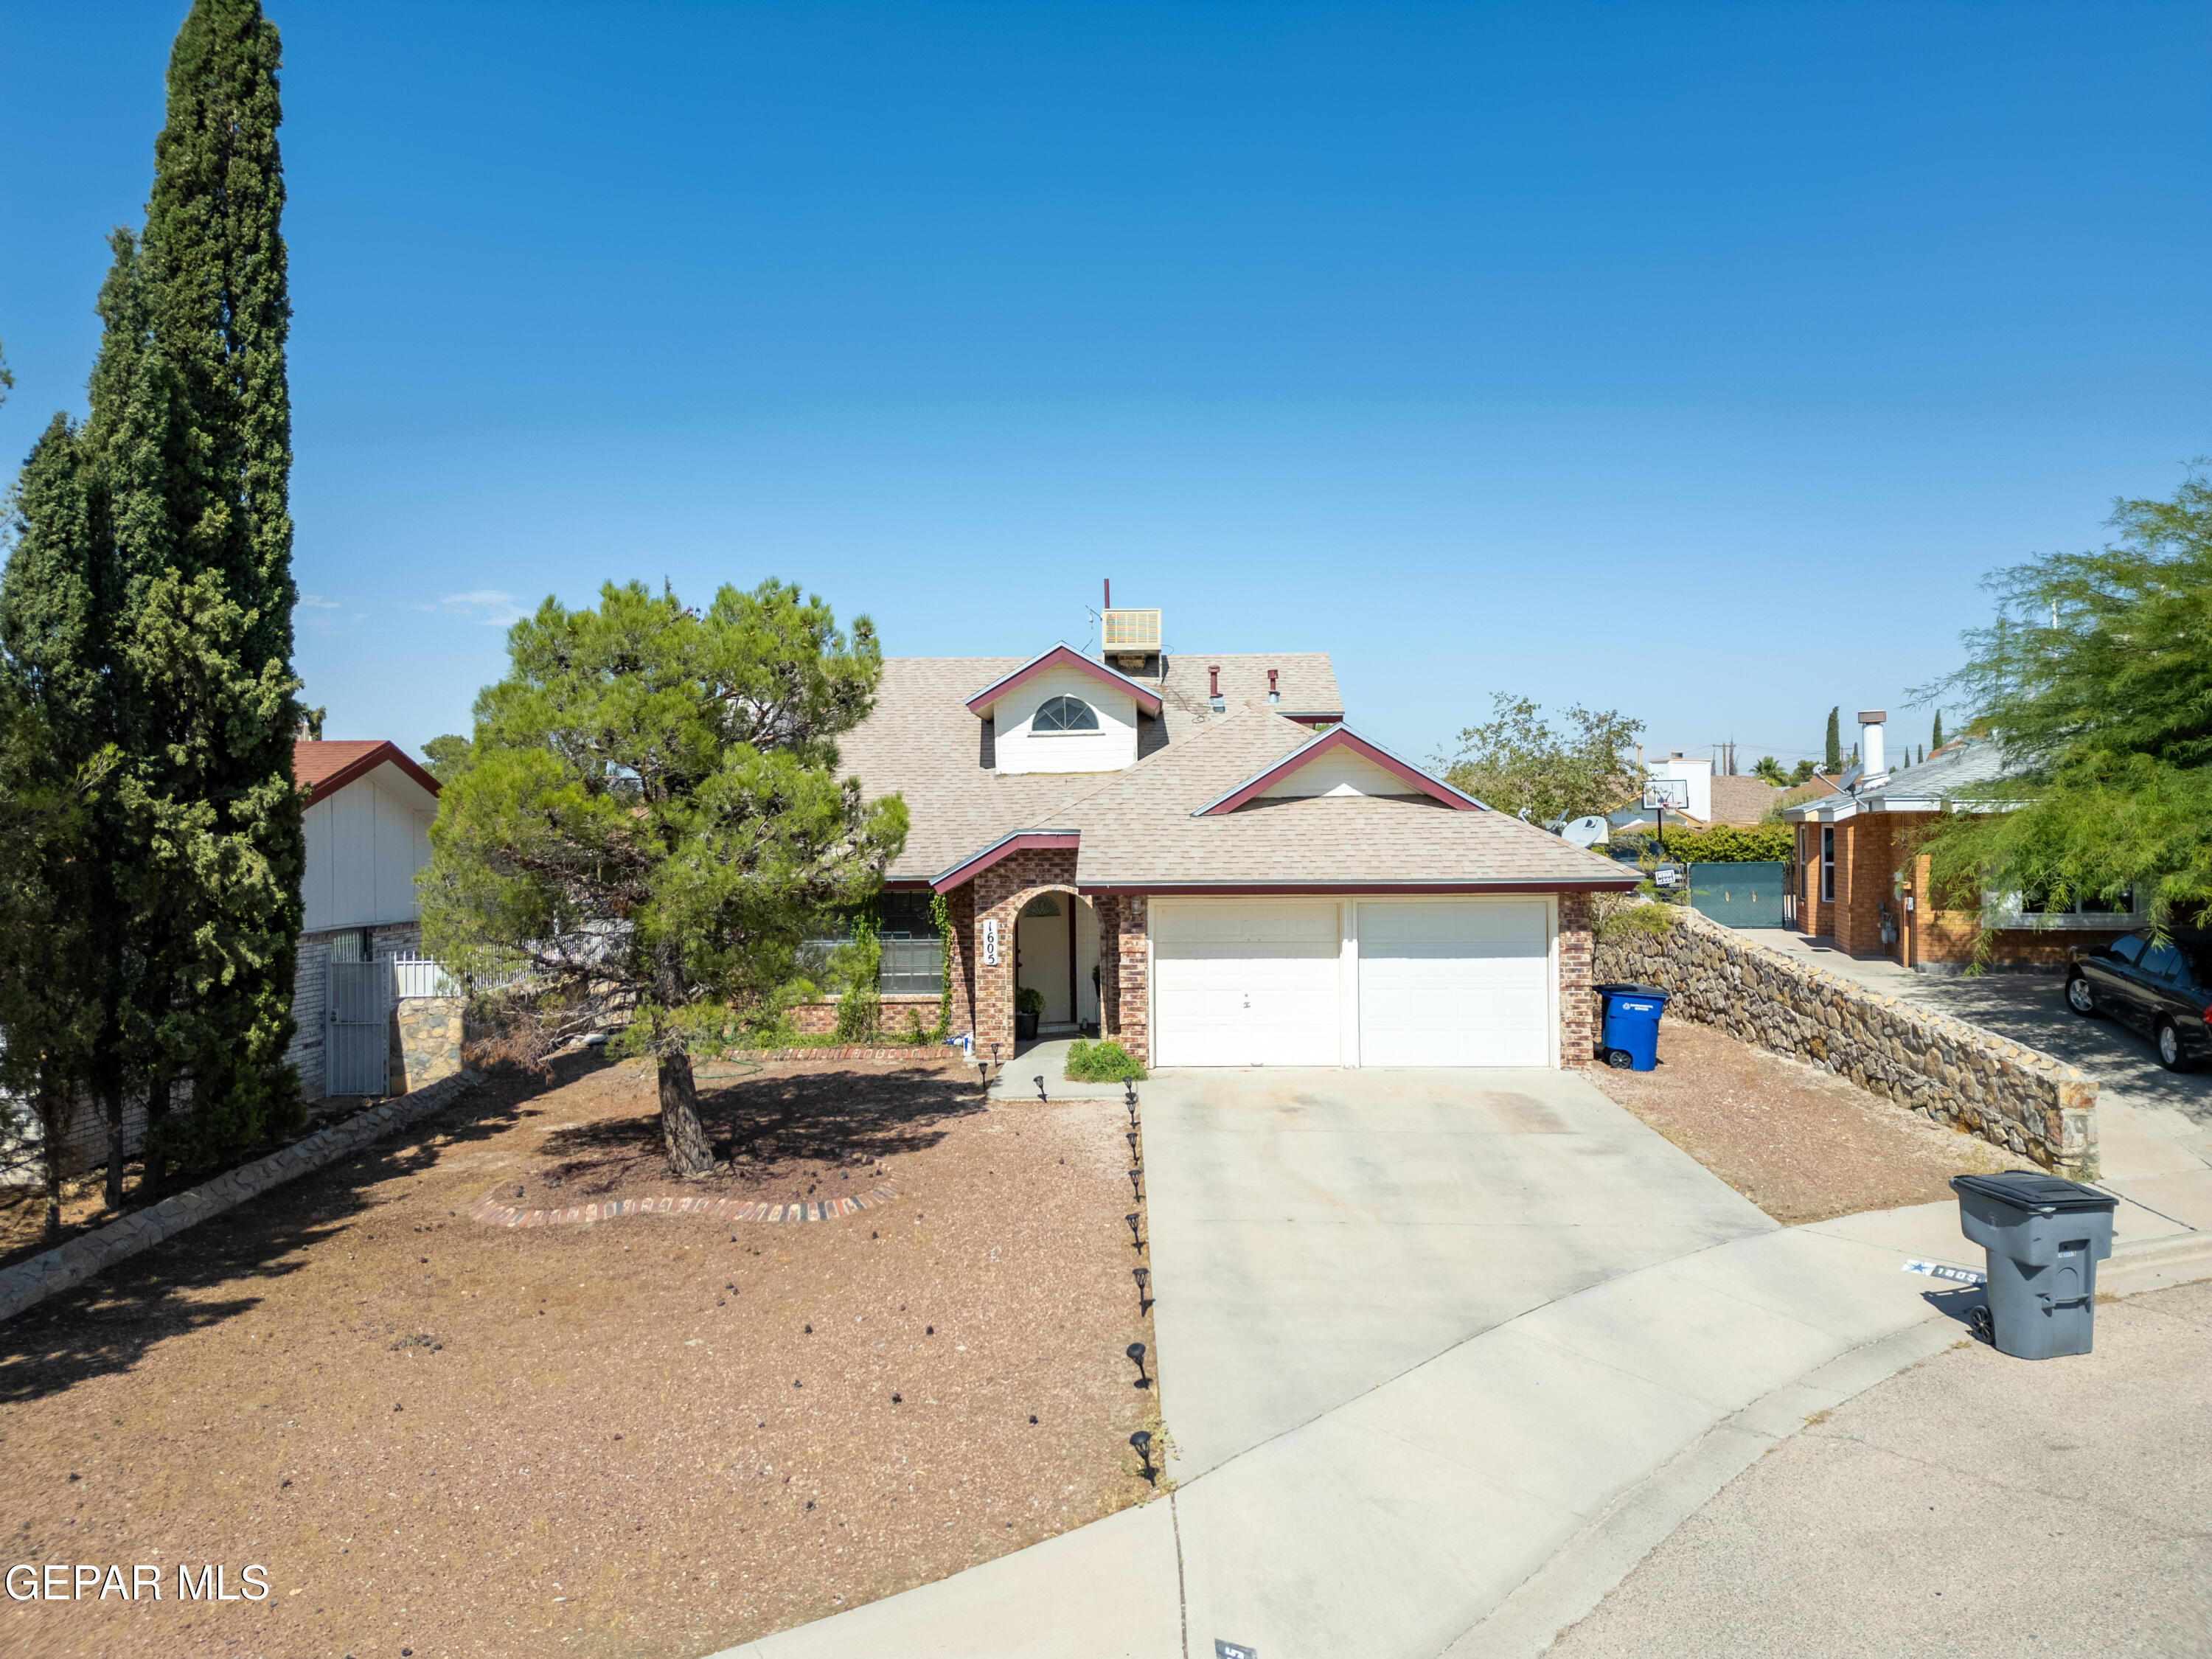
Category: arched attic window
<point>1065,714</point>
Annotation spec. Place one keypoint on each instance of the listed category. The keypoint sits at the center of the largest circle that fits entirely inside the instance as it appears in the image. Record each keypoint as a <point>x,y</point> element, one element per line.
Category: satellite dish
<point>1585,832</point>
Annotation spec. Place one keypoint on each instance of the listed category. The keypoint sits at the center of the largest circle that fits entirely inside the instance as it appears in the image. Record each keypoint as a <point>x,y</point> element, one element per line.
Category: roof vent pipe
<point>1274,695</point>
<point>1871,757</point>
<point>1213,687</point>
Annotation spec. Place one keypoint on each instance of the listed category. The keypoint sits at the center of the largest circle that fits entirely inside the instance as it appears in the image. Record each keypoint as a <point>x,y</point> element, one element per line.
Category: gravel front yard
<point>652,1436</point>
<point>1801,1143</point>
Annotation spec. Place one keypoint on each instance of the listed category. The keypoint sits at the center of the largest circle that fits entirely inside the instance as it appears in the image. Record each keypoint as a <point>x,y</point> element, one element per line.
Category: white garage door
<point>1245,982</point>
<point>1465,984</point>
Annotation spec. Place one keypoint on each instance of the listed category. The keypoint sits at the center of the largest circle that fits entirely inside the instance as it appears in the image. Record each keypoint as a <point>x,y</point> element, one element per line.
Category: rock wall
<point>2013,1096</point>
<point>429,1041</point>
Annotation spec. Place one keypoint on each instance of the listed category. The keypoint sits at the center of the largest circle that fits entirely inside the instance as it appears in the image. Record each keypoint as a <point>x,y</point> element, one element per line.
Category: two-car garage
<point>1353,980</point>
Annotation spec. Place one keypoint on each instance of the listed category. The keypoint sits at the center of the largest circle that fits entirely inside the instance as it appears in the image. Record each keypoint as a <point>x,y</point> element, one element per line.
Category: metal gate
<point>1740,895</point>
<point>357,1028</point>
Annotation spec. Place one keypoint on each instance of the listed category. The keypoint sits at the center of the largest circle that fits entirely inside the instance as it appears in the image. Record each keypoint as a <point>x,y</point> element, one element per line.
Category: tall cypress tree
<point>1935,737</point>
<point>203,534</point>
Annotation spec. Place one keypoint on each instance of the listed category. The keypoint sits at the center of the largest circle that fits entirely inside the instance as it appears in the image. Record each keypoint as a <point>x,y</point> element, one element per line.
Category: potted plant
<point>1029,1009</point>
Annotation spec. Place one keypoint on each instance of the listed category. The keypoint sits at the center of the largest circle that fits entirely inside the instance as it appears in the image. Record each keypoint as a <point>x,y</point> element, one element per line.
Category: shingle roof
<point>1139,830</point>
<point>1741,800</point>
<point>921,743</point>
<point>1950,774</point>
<point>322,768</point>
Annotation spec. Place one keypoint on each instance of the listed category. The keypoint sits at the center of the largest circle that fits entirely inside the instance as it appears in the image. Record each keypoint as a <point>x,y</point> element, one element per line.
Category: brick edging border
<point>489,1209</point>
<point>28,1283</point>
<point>935,1051</point>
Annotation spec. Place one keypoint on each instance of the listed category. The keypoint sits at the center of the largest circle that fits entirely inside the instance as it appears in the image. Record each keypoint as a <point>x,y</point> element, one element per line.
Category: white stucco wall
<point>1341,772</point>
<point>1111,748</point>
<point>365,842</point>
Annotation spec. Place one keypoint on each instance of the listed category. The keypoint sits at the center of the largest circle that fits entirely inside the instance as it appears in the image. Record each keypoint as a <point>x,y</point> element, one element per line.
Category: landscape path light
<point>1136,1351</point>
<point>1135,1242</point>
<point>1135,1176</point>
<point>1143,1442</point>
<point>1042,1099</point>
<point>1142,1275</point>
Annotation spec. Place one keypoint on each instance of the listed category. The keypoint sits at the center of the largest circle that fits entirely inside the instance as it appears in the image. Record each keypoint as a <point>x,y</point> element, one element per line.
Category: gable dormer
<point>1062,711</point>
<point>1340,763</point>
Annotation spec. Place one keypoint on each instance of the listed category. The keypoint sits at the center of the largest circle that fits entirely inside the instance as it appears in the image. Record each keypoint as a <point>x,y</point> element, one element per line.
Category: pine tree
<point>1835,756</point>
<point>1936,739</point>
<point>203,534</point>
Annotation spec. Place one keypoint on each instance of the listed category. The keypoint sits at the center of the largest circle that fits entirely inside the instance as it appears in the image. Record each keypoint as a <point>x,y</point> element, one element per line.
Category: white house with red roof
<point>369,806</point>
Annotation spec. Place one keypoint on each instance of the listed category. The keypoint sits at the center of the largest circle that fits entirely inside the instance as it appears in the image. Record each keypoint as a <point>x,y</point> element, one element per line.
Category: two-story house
<point>1194,853</point>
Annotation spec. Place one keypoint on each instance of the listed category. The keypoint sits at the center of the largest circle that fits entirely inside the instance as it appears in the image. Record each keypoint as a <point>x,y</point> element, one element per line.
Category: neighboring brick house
<point>1861,879</point>
<point>1191,853</point>
<point>1740,799</point>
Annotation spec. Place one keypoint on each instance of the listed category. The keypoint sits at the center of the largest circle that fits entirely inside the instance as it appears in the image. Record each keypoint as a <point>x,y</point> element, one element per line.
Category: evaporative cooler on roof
<point>1130,637</point>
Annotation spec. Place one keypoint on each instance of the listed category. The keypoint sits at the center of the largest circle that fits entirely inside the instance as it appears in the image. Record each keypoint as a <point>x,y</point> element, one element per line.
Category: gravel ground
<point>646,1436</point>
<point>1974,1507</point>
<point>1801,1143</point>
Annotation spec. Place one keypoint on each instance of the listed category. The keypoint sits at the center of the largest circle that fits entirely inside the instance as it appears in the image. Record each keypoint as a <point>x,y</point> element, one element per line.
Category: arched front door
<point>1056,956</point>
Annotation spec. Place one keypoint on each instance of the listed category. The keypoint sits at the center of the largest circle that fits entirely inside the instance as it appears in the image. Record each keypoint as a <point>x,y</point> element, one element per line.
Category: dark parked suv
<point>2163,989</point>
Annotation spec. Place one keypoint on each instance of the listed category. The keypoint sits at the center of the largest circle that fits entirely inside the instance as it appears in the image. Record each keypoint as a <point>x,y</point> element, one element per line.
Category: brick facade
<point>999,894</point>
<point>1870,852</point>
<point>1579,1030</point>
<point>1129,946</point>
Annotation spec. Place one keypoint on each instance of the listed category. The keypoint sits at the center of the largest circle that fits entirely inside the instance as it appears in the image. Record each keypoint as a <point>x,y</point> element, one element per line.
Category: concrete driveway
<point>1317,1233</point>
<point>1443,1354</point>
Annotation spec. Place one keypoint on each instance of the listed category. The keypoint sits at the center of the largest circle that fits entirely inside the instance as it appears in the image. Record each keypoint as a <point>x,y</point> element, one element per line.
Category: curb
<point>28,1283</point>
<point>490,1210</point>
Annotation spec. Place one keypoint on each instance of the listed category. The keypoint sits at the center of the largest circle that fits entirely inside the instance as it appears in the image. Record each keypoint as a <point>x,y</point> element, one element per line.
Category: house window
<point>912,952</point>
<point>1828,864</point>
<point>1065,714</point>
<point>2085,904</point>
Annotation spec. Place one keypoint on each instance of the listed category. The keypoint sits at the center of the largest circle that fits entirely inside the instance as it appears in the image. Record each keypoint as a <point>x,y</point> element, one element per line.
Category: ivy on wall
<point>940,917</point>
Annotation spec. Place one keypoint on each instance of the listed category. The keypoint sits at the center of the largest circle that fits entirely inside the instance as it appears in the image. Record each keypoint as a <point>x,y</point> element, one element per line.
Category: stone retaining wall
<point>30,1282</point>
<point>2014,1097</point>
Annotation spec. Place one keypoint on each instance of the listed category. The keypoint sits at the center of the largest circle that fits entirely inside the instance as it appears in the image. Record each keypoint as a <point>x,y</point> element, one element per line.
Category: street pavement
<point>1972,1506</point>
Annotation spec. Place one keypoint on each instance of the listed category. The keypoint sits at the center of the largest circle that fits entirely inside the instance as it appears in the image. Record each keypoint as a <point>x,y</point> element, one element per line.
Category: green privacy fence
<point>1741,895</point>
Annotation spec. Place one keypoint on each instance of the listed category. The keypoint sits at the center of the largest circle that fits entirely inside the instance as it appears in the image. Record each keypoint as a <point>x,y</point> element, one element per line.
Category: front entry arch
<point>1056,956</point>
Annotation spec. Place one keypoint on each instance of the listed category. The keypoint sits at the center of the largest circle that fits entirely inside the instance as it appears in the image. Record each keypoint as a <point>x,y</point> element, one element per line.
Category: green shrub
<point>1029,1001</point>
<point>1102,1062</point>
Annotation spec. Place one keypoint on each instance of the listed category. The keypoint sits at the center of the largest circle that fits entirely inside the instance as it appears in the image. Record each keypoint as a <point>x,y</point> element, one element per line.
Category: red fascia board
<point>1341,737</point>
<point>960,874</point>
<point>1061,657</point>
<point>385,753</point>
<point>1355,890</point>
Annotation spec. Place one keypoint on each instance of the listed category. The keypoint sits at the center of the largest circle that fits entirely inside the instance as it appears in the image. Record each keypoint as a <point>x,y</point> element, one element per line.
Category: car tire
<point>2168,1041</point>
<point>2081,998</point>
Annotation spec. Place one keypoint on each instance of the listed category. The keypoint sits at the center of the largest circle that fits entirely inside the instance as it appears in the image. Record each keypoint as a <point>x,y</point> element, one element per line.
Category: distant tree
<point>1935,737</point>
<point>2095,682</point>
<point>1769,770</point>
<point>1835,747</point>
<point>7,379</point>
<point>1801,773</point>
<point>444,756</point>
<point>651,805</point>
<point>1516,762</point>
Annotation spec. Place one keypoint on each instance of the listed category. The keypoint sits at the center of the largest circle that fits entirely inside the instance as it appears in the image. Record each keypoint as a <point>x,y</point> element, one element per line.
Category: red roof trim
<point>360,767</point>
<point>1020,841</point>
<point>1061,657</point>
<point>1340,737</point>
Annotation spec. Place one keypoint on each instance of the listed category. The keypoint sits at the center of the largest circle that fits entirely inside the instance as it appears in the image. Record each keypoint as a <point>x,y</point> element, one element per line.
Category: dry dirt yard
<point>1799,1142</point>
<point>657,1435</point>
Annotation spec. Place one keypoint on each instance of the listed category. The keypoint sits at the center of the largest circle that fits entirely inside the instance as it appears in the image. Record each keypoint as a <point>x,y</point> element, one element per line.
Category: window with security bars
<point>913,959</point>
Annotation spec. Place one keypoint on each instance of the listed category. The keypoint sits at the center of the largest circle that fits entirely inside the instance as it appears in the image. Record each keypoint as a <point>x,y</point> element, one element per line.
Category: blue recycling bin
<point>1632,1026</point>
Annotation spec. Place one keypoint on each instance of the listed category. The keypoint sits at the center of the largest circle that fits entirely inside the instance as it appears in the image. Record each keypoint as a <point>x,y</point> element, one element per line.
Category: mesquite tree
<point>650,811</point>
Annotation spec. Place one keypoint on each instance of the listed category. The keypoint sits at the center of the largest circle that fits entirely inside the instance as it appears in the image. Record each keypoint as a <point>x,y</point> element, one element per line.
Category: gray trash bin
<point>2044,1237</point>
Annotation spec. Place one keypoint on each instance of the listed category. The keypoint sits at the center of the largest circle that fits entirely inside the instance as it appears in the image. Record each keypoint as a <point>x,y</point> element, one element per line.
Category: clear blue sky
<point>1694,361</point>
